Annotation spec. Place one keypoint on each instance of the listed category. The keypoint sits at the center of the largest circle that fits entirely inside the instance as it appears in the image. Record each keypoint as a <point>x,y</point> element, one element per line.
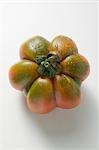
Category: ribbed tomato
<point>50,73</point>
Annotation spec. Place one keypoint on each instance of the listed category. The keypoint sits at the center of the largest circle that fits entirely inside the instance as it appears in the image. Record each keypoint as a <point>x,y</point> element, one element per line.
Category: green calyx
<point>49,65</point>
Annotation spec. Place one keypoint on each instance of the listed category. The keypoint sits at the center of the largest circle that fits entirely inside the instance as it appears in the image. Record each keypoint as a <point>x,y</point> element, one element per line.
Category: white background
<point>60,129</point>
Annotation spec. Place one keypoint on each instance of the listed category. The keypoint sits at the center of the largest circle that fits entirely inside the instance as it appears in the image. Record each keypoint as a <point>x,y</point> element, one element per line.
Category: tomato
<point>50,73</point>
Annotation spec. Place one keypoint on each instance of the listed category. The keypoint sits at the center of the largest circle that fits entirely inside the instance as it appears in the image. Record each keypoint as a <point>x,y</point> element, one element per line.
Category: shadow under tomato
<point>62,126</point>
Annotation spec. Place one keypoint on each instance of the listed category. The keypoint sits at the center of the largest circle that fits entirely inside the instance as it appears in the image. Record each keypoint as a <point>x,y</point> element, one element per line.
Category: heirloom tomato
<point>50,73</point>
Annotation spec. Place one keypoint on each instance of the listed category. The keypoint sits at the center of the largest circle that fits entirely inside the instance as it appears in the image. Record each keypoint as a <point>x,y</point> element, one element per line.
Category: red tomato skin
<point>66,97</point>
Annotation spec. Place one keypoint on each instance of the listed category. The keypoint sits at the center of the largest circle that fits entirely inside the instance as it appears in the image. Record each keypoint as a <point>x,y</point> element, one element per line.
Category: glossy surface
<point>64,46</point>
<point>67,92</point>
<point>22,74</point>
<point>40,97</point>
<point>34,47</point>
<point>50,74</point>
<point>76,66</point>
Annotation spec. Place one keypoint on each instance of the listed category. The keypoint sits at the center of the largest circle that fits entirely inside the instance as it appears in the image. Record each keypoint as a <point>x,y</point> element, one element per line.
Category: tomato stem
<point>49,65</point>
